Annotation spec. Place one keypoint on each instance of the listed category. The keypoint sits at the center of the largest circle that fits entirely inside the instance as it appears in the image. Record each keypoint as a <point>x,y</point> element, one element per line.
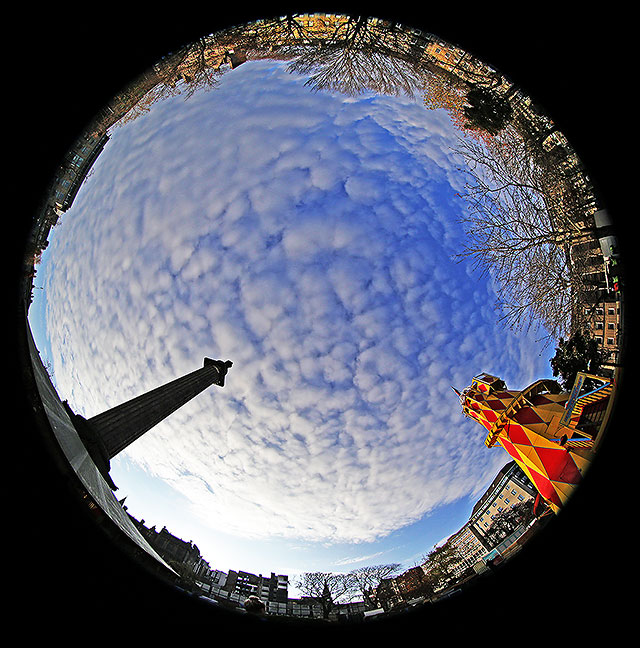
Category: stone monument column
<point>107,434</point>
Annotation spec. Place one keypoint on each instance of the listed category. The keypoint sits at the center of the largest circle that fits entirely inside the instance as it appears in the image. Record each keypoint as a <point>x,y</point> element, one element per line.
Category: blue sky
<point>308,237</point>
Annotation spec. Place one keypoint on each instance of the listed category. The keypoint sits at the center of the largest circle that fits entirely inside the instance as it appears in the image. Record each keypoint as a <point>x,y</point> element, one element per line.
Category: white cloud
<point>308,239</point>
<point>358,559</point>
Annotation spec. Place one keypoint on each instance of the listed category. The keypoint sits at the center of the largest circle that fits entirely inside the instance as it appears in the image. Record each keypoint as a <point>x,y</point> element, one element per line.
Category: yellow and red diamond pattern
<point>526,424</point>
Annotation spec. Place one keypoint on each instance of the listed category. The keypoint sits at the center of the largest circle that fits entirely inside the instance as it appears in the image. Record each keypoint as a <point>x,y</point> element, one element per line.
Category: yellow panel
<point>581,462</point>
<point>564,490</point>
<point>534,461</point>
<point>538,428</point>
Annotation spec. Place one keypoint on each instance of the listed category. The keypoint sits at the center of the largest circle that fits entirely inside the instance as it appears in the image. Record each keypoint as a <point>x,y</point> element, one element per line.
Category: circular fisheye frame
<point>323,319</point>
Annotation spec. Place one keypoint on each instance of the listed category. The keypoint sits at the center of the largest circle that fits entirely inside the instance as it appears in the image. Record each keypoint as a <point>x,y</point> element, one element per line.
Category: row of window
<point>611,326</point>
<point>611,310</point>
<point>486,522</point>
<point>610,340</point>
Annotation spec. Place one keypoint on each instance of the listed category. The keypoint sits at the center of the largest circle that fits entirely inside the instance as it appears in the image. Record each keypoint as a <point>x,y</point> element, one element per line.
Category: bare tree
<point>354,71</point>
<point>278,30</point>
<point>360,54</point>
<point>516,234</point>
<point>344,53</point>
<point>366,579</point>
<point>326,588</point>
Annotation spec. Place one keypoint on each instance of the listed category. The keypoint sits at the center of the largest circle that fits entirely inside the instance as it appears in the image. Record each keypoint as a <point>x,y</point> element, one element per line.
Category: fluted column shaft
<point>122,425</point>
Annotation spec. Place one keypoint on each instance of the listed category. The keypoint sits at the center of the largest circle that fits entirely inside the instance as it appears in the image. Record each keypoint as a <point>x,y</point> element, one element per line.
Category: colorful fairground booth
<point>549,432</point>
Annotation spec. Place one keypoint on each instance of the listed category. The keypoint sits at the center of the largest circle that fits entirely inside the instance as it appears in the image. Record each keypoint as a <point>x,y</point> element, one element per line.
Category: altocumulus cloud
<point>307,237</point>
